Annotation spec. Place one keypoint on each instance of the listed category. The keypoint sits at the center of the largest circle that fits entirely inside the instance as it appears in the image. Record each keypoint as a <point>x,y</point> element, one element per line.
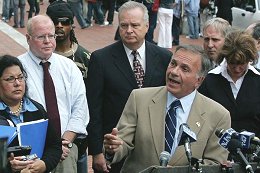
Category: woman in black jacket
<point>15,108</point>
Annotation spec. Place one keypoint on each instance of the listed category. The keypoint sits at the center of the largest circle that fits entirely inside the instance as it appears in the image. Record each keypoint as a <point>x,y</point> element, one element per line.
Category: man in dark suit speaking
<point>115,71</point>
<point>144,121</point>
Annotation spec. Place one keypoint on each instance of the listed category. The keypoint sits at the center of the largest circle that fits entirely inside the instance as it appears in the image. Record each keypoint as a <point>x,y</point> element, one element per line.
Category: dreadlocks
<point>73,38</point>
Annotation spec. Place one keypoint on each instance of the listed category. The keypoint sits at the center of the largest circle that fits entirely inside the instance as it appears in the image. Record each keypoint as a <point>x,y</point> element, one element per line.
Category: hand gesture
<point>112,142</point>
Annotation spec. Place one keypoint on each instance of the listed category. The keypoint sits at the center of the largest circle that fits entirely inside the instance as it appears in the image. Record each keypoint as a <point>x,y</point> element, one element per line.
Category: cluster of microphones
<point>244,147</point>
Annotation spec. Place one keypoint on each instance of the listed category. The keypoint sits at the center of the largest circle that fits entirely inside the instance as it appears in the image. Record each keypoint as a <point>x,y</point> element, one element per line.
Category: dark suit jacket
<point>52,150</point>
<point>142,126</point>
<point>245,109</point>
<point>110,82</point>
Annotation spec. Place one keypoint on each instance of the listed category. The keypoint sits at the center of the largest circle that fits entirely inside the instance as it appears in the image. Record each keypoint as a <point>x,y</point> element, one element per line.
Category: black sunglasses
<point>63,21</point>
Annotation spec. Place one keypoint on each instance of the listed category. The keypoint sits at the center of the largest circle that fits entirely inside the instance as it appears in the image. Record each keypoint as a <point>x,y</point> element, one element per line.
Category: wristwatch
<point>70,145</point>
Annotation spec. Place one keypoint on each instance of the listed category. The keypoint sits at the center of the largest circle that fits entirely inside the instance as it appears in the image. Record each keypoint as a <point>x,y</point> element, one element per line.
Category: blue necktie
<point>170,125</point>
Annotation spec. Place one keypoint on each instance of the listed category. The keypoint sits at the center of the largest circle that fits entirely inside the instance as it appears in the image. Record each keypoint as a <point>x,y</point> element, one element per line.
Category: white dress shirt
<point>140,56</point>
<point>69,87</point>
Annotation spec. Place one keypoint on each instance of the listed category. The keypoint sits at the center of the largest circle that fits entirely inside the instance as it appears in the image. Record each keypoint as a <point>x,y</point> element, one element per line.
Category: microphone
<point>248,137</point>
<point>185,137</point>
<point>164,158</point>
<point>225,136</point>
<point>234,147</point>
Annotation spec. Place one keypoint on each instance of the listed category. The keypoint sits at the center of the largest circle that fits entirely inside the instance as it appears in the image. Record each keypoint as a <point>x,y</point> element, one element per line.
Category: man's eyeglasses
<point>12,79</point>
<point>64,21</point>
<point>44,37</point>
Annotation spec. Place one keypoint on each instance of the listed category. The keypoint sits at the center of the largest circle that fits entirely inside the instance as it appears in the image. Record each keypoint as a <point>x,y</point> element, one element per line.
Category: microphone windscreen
<point>225,137</point>
<point>164,158</point>
<point>185,133</point>
<point>245,137</point>
<point>233,145</point>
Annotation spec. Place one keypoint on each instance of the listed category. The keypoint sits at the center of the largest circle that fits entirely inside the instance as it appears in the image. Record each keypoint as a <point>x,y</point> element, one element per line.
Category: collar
<point>38,60</point>
<point>27,106</point>
<point>141,51</point>
<point>185,101</point>
<point>222,69</point>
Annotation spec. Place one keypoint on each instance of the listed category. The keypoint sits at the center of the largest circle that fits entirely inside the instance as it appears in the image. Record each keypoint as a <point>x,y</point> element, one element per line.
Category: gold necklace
<point>68,51</point>
<point>19,108</point>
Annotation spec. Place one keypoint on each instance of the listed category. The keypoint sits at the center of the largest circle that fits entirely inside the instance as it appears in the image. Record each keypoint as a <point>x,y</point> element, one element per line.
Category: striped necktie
<point>170,125</point>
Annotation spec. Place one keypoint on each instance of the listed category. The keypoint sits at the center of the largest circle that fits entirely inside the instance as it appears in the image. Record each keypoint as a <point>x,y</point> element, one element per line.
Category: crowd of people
<point>130,98</point>
<point>16,8</point>
<point>101,12</point>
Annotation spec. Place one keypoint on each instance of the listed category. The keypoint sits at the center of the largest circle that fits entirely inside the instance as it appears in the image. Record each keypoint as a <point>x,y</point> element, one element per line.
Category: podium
<point>204,168</point>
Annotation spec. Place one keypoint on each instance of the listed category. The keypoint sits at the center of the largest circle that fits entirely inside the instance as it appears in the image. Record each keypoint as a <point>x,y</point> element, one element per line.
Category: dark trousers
<point>34,7</point>
<point>176,29</point>
<point>119,3</point>
<point>115,168</point>
<point>96,6</point>
<point>152,22</point>
<point>109,5</point>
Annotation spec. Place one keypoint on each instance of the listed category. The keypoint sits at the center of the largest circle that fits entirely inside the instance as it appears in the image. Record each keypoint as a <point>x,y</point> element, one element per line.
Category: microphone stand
<point>255,156</point>
<point>248,167</point>
<point>188,149</point>
<point>195,163</point>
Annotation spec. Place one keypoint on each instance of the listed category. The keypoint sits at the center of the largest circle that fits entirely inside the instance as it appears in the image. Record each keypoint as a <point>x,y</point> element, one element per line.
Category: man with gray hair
<point>214,33</point>
<point>254,30</point>
<point>114,71</point>
<point>154,116</point>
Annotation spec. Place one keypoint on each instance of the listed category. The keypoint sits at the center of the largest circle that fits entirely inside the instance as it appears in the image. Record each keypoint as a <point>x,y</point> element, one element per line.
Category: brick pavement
<point>13,41</point>
<point>91,38</point>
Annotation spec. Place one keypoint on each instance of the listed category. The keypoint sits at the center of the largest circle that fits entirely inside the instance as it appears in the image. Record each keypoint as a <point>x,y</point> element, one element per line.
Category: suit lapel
<point>122,63</point>
<point>151,63</point>
<point>156,112</point>
<point>195,122</point>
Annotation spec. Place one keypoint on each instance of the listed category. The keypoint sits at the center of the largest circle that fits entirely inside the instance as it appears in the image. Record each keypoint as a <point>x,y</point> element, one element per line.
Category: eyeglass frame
<point>43,37</point>
<point>12,79</point>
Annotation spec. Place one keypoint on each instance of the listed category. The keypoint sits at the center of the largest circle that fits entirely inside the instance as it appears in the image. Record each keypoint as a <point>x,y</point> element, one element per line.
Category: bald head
<point>38,21</point>
<point>41,36</point>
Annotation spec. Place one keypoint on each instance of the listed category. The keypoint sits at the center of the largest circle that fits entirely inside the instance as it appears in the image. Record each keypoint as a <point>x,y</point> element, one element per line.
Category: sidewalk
<point>12,42</point>
<point>92,38</point>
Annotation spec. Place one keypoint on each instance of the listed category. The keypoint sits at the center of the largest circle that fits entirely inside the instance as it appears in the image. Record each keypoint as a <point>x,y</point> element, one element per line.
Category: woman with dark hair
<point>235,83</point>
<point>16,107</point>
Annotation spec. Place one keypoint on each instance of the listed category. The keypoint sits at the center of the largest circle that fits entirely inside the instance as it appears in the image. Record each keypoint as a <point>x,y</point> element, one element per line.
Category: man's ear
<point>258,44</point>
<point>200,80</point>
<point>27,37</point>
